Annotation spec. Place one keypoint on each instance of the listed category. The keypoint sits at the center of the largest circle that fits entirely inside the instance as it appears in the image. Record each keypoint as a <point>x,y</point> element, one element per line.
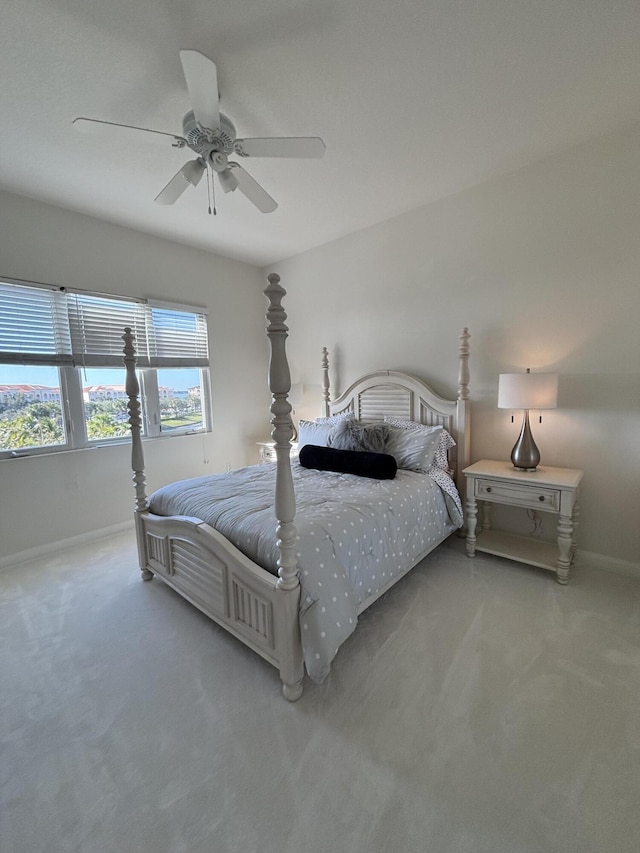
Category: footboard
<point>213,575</point>
<point>217,578</point>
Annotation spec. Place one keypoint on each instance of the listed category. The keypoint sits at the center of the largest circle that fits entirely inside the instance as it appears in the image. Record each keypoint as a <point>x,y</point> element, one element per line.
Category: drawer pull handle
<point>541,498</point>
<point>488,488</point>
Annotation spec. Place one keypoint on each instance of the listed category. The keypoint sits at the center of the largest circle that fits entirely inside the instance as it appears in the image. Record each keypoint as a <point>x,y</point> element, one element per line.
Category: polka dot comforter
<point>354,535</point>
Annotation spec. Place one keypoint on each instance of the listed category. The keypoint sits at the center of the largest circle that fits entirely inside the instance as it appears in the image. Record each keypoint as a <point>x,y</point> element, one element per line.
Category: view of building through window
<point>31,404</point>
<point>30,407</point>
<point>180,399</point>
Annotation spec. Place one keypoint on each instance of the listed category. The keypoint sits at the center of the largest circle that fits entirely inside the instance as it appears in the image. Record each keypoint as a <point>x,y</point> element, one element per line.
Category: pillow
<point>336,419</point>
<point>351,435</point>
<point>414,449</point>
<point>376,466</point>
<point>446,442</point>
<point>442,453</point>
<point>310,432</point>
<point>318,431</point>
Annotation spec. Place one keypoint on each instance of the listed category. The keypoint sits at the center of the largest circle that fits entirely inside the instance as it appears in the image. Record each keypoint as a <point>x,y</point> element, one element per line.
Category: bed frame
<point>259,608</point>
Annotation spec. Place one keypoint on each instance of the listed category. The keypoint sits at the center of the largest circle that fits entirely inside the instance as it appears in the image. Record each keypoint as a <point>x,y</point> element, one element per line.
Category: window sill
<point>8,456</point>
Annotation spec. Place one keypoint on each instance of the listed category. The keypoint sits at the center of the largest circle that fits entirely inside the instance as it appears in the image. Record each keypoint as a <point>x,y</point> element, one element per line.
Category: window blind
<point>96,325</point>
<point>46,325</point>
<point>177,338</point>
<point>33,326</point>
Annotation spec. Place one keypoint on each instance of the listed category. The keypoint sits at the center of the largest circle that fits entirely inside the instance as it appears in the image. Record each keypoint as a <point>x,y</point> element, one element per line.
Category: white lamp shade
<point>528,391</point>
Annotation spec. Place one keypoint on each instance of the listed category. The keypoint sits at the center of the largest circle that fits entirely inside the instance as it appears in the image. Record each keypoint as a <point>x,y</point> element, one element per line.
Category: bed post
<point>137,456</point>
<point>462,425</point>
<point>291,663</point>
<point>325,382</point>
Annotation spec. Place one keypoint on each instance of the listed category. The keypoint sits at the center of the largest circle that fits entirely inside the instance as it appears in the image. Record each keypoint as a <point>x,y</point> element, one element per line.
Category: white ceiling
<point>415,99</point>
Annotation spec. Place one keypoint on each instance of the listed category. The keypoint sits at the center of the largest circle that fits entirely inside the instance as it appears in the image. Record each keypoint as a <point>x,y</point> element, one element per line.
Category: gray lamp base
<point>525,455</point>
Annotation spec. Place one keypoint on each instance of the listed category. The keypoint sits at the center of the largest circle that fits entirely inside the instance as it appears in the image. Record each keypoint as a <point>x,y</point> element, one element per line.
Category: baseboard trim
<point>605,563</point>
<point>586,558</point>
<point>62,544</point>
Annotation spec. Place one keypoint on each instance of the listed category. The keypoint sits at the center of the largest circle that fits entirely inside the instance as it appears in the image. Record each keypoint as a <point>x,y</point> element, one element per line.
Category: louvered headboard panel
<point>373,403</point>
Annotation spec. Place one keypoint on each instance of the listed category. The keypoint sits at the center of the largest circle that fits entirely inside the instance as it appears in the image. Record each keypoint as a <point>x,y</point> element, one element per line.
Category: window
<point>62,373</point>
<point>31,413</point>
<point>180,399</point>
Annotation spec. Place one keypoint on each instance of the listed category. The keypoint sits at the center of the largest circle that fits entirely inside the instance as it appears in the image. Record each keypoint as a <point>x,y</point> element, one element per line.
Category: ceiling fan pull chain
<point>211,191</point>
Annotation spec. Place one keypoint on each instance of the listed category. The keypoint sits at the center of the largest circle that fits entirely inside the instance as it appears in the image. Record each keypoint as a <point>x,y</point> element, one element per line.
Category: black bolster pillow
<point>377,466</point>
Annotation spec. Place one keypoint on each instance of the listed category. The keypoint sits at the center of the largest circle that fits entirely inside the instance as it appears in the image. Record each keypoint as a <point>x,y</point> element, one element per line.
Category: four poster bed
<point>292,590</point>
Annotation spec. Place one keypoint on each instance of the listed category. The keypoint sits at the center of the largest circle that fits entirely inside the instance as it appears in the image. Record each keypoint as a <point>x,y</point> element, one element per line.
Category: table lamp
<point>527,391</point>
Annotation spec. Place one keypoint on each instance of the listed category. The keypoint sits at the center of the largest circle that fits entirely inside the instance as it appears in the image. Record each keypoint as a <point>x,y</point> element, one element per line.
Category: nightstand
<point>267,451</point>
<point>553,490</point>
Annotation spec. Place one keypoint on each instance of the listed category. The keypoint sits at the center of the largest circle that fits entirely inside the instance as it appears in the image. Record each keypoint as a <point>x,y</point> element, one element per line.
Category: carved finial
<point>279,376</point>
<point>276,315</point>
<point>325,381</point>
<point>463,376</point>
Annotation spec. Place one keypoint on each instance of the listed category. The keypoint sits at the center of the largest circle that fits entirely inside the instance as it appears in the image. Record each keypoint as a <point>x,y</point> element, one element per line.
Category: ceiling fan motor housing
<point>202,140</point>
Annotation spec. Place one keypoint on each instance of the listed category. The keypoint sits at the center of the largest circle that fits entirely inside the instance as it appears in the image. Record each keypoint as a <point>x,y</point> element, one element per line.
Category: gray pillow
<point>441,459</point>
<point>351,435</point>
<point>414,449</point>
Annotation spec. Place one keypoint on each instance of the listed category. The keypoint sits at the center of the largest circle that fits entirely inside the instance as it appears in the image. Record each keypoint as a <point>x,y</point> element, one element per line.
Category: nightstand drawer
<point>518,494</point>
<point>268,453</point>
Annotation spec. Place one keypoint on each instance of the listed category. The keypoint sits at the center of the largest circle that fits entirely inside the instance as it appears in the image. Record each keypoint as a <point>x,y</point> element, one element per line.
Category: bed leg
<point>292,692</point>
<point>290,647</point>
<point>146,573</point>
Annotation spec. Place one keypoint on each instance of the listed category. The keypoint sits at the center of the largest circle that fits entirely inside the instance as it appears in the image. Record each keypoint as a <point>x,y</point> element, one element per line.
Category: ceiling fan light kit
<point>228,181</point>
<point>211,135</point>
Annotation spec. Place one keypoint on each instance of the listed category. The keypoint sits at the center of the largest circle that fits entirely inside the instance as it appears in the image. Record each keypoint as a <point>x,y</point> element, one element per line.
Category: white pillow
<point>310,432</point>
<point>445,443</point>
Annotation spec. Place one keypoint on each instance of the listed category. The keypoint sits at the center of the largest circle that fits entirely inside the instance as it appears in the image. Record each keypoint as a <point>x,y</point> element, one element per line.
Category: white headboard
<point>396,394</point>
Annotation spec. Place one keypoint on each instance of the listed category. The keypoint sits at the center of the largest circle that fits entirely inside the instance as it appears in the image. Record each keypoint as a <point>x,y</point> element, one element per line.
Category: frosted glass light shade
<point>528,391</point>
<point>228,181</point>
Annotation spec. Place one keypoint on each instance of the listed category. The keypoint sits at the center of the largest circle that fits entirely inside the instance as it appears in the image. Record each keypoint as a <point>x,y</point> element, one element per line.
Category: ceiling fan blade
<point>112,128</point>
<point>201,76</point>
<point>284,146</point>
<point>252,189</point>
<point>189,175</point>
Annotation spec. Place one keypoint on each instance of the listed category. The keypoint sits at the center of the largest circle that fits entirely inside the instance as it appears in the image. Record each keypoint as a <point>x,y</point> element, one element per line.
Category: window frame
<point>157,349</point>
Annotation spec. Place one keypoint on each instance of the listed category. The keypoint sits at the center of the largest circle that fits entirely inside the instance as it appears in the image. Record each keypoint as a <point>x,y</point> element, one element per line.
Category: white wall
<point>60,496</point>
<point>544,267</point>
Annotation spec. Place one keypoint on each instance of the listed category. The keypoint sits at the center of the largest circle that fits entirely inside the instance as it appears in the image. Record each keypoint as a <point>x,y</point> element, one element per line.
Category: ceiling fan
<point>211,135</point>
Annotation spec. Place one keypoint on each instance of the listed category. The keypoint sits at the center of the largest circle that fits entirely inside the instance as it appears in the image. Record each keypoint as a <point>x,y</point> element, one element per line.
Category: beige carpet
<point>479,708</point>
